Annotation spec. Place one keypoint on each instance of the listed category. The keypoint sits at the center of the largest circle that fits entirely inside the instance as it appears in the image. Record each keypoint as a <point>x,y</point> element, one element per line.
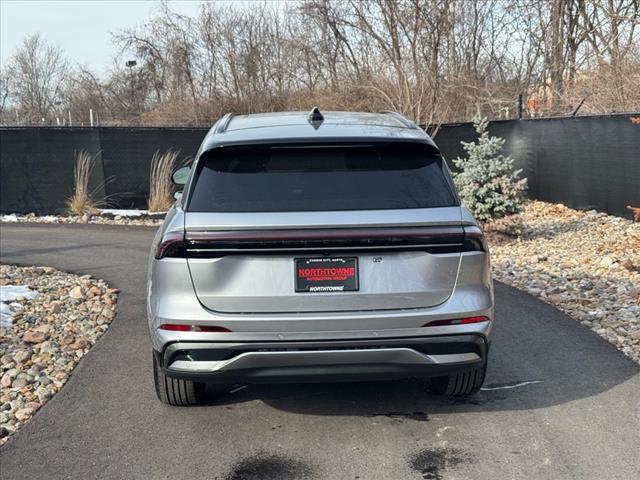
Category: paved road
<point>581,420</point>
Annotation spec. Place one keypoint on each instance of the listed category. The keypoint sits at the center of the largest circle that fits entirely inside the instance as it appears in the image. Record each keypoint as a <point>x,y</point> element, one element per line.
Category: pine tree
<point>487,182</point>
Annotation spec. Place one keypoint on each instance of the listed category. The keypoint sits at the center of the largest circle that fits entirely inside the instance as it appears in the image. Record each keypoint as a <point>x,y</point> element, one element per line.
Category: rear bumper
<point>318,361</point>
<point>172,300</point>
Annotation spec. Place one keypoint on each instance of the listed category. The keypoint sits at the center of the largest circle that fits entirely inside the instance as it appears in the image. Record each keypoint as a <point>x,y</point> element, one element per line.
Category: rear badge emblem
<point>377,259</point>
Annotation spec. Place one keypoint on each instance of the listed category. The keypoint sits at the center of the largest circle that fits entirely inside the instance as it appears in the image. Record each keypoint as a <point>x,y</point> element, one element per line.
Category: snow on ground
<point>122,212</point>
<point>13,217</point>
<point>9,293</point>
<point>5,315</point>
<point>108,216</point>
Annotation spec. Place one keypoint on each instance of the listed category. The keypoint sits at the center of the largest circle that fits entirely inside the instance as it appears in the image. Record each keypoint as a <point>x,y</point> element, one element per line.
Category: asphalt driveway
<point>559,402</point>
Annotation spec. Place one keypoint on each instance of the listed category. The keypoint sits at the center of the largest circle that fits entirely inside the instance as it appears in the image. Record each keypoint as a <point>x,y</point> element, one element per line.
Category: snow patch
<point>124,212</point>
<point>12,217</point>
<point>8,293</point>
<point>5,315</point>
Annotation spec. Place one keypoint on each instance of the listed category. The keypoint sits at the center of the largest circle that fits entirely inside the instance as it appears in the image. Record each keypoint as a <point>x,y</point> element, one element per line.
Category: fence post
<point>520,107</point>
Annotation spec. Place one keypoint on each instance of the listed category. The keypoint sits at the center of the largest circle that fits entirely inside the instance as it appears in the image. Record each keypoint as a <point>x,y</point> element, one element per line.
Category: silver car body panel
<point>172,300</point>
<point>197,221</point>
<point>265,283</point>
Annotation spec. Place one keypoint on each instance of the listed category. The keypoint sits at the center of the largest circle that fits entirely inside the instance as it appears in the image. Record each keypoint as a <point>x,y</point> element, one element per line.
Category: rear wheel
<point>174,391</point>
<point>463,383</point>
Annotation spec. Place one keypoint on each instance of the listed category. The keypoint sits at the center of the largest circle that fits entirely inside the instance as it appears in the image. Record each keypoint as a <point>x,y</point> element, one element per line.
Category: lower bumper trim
<point>322,361</point>
<point>255,360</point>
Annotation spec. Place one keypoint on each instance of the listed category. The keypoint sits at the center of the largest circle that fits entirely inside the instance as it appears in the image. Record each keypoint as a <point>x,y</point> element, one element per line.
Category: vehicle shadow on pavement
<point>407,399</point>
<point>537,360</point>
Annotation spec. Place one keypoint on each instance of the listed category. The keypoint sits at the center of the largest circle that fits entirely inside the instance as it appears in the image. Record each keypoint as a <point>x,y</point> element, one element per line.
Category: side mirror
<point>180,176</point>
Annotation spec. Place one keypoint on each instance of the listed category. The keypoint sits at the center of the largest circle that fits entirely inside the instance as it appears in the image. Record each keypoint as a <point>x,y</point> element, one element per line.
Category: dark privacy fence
<point>36,163</point>
<point>583,162</point>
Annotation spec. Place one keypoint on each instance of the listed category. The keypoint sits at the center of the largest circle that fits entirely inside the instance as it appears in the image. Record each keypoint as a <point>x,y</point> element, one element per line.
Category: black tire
<point>464,383</point>
<point>176,392</point>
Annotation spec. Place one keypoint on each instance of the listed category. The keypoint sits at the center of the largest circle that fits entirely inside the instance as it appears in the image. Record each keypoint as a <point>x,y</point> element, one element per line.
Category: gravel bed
<point>46,336</point>
<point>144,219</point>
<point>587,264</point>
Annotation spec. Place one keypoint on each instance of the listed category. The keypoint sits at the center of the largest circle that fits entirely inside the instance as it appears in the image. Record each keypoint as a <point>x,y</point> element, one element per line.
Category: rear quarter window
<point>320,178</point>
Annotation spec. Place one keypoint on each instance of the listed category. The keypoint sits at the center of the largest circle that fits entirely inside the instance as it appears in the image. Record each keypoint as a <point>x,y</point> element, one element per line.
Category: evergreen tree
<point>487,182</point>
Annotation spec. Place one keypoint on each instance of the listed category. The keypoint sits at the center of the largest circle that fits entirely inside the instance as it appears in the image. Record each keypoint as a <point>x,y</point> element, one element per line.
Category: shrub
<point>160,186</point>
<point>487,182</point>
<point>82,201</point>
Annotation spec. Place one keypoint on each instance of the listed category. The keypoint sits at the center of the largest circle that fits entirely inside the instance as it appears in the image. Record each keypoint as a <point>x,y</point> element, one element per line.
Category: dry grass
<point>160,186</point>
<point>82,201</point>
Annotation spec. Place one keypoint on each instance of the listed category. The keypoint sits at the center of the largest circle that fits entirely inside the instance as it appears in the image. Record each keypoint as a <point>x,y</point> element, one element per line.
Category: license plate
<point>326,274</point>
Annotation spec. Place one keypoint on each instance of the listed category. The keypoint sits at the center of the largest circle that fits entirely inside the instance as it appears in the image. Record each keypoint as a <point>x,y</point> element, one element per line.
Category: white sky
<point>81,27</point>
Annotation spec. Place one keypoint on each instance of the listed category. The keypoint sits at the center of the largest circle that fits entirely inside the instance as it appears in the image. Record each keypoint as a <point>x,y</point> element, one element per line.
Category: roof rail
<point>224,123</point>
<point>404,120</point>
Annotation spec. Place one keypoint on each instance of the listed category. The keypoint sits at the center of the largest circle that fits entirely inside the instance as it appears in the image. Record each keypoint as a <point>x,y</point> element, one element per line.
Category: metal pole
<point>520,107</point>
<point>91,116</point>
<point>574,113</point>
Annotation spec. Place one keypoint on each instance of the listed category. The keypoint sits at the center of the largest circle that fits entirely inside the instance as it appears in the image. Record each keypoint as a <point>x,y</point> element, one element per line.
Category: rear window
<point>320,178</point>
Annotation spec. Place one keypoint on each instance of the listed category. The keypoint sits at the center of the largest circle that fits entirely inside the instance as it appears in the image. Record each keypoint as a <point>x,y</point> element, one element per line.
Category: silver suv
<point>318,247</point>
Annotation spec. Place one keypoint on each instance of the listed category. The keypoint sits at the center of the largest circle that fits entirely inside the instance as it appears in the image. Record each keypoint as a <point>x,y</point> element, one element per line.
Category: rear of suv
<point>318,247</point>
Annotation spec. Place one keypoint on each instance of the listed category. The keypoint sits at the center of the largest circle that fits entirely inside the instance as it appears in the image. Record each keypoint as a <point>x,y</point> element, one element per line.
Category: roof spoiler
<point>404,120</point>
<point>223,124</point>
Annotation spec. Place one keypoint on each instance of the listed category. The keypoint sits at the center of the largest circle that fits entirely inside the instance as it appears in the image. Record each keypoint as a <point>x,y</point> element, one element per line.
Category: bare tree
<point>37,72</point>
<point>5,90</point>
<point>433,60</point>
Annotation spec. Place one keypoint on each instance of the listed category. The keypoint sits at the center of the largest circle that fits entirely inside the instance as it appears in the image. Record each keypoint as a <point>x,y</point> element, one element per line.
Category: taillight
<point>474,240</point>
<point>456,321</point>
<point>436,239</point>
<point>179,327</point>
<point>171,245</point>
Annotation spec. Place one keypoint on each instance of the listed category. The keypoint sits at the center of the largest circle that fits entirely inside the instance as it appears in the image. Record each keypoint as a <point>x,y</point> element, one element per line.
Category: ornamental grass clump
<point>82,202</point>
<point>160,186</point>
<point>487,182</point>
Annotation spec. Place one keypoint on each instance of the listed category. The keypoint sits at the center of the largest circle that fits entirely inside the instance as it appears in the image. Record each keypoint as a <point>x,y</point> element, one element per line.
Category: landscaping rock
<point>24,414</point>
<point>76,293</point>
<point>34,336</point>
<point>585,263</point>
<point>46,338</point>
